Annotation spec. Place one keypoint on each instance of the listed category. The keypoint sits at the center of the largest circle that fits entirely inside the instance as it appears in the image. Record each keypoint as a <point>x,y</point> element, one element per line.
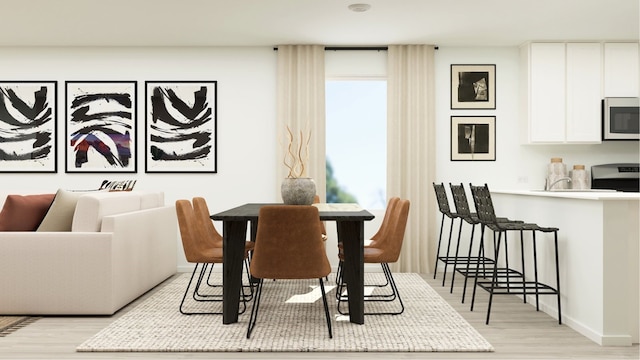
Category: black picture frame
<point>28,126</point>
<point>101,126</point>
<point>473,86</point>
<point>473,138</point>
<point>181,126</point>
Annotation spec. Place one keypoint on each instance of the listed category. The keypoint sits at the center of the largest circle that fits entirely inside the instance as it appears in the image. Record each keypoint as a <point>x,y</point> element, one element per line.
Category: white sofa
<point>121,244</point>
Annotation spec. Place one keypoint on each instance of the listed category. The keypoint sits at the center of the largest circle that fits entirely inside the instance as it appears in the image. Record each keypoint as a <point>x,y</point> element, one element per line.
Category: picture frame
<point>28,126</point>
<point>473,138</point>
<point>101,126</point>
<point>181,126</point>
<point>473,86</point>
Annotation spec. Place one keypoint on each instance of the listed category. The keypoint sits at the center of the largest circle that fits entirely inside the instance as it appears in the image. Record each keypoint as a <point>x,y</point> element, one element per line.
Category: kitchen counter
<point>574,194</point>
<point>599,253</point>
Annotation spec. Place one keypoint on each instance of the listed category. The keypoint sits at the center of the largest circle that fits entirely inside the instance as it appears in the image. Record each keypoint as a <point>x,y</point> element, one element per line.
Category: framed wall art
<point>181,126</point>
<point>101,128</point>
<point>473,87</point>
<point>473,138</point>
<point>28,126</point>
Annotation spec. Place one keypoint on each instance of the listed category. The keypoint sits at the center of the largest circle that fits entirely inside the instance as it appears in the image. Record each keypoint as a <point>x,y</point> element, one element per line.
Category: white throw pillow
<point>59,217</point>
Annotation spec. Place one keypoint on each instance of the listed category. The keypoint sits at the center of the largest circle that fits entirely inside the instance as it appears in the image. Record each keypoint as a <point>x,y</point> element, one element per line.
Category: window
<point>356,141</point>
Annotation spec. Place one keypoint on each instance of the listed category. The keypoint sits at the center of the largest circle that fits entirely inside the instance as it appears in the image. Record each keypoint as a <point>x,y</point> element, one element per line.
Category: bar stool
<point>506,281</point>
<point>443,206</point>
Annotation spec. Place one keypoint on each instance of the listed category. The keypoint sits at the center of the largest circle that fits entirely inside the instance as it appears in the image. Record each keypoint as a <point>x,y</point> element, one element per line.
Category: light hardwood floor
<point>516,331</point>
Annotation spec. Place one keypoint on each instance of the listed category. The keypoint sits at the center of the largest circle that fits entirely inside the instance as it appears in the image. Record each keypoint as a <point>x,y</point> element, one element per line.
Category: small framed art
<point>473,87</point>
<point>181,126</point>
<point>473,138</point>
<point>101,126</point>
<point>28,126</point>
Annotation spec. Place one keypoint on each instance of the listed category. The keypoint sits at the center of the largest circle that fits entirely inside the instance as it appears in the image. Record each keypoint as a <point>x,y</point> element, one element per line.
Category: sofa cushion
<point>59,217</point>
<point>24,212</point>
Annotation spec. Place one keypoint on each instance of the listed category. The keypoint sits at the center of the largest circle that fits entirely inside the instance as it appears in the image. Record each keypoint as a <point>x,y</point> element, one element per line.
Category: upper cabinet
<point>621,70</point>
<point>564,84</point>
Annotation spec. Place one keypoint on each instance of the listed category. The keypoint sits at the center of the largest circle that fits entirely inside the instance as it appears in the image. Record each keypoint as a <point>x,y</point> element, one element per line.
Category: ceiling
<point>328,22</point>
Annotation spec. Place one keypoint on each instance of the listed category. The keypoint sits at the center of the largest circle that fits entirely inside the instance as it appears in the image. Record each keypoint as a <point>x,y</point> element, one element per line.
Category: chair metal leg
<point>435,269</point>
<point>254,308</point>
<point>326,308</point>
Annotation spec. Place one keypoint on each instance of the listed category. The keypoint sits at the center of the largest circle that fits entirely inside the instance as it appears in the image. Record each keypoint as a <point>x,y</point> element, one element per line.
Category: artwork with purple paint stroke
<point>101,126</point>
<point>28,126</point>
<point>181,126</point>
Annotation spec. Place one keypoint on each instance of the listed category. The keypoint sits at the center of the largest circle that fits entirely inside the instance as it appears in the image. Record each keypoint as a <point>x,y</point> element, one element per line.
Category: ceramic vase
<point>298,191</point>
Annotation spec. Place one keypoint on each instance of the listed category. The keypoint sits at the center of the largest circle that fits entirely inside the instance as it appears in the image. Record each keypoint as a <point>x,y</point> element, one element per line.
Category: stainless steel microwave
<point>620,120</point>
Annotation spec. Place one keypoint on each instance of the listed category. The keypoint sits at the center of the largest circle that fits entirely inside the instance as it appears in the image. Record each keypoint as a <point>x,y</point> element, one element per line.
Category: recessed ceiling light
<point>359,7</point>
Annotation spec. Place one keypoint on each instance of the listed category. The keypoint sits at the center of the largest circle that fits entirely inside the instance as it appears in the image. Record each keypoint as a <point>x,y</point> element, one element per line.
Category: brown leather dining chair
<point>215,239</point>
<point>198,248</point>
<point>391,204</point>
<point>384,251</point>
<point>288,246</point>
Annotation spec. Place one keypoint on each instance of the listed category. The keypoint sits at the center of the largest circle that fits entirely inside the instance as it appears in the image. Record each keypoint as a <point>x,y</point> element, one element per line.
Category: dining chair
<point>214,238</point>
<point>380,233</point>
<point>198,249</point>
<point>384,251</point>
<point>288,246</point>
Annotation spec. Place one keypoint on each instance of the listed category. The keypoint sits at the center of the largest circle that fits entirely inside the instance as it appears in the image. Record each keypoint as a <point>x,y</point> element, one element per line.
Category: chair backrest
<point>460,200</point>
<point>384,226</point>
<point>441,196</point>
<point>397,226</point>
<point>191,232</point>
<point>316,200</point>
<point>289,244</point>
<point>484,205</point>
<point>202,213</point>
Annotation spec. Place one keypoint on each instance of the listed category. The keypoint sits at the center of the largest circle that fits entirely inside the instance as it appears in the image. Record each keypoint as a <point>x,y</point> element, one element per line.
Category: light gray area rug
<point>292,318</point>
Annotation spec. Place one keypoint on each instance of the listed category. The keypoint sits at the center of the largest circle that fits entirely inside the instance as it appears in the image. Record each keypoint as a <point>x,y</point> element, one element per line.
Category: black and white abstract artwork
<point>473,86</point>
<point>473,138</point>
<point>101,126</point>
<point>181,126</point>
<point>28,126</point>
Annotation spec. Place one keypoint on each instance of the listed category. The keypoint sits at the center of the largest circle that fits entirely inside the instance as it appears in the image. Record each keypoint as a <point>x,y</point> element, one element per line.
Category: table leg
<point>234,236</point>
<point>351,234</point>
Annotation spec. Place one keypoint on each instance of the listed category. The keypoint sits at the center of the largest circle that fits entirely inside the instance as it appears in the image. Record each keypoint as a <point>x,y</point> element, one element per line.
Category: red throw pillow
<point>24,212</point>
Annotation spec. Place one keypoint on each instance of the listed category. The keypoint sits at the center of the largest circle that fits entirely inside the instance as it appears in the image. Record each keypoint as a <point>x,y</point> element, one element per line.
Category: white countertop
<point>586,195</point>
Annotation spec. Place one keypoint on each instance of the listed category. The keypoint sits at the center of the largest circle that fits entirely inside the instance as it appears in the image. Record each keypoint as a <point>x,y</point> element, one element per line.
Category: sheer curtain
<point>301,106</point>
<point>411,148</point>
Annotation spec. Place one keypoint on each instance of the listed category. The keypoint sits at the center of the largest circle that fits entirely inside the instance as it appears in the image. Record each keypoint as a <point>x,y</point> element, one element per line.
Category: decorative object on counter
<point>557,177</point>
<point>579,178</point>
<point>297,188</point>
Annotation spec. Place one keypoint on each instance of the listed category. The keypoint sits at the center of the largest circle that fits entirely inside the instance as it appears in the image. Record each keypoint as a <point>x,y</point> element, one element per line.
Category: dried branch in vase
<point>297,155</point>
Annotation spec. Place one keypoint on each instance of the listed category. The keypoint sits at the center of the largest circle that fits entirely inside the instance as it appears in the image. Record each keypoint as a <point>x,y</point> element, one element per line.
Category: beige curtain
<point>411,148</point>
<point>301,106</point>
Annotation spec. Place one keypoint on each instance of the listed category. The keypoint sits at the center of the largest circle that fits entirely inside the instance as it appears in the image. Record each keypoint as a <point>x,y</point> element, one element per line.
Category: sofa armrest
<point>145,249</point>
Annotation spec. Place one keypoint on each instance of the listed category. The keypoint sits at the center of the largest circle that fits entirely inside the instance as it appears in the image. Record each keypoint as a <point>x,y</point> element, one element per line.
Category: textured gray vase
<point>298,191</point>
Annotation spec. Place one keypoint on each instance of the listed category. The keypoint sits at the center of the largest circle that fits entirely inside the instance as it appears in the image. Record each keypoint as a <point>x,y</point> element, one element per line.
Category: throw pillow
<point>24,212</point>
<point>121,185</point>
<point>59,217</point>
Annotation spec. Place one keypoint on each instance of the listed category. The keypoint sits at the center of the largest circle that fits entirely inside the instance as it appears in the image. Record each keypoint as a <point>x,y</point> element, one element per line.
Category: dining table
<point>349,219</point>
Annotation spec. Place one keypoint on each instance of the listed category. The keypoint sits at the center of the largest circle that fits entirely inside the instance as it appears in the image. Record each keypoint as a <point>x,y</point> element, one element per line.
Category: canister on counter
<point>579,178</point>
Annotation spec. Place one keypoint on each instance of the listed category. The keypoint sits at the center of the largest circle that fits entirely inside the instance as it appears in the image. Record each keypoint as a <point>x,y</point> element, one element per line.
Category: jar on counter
<point>579,178</point>
<point>556,170</point>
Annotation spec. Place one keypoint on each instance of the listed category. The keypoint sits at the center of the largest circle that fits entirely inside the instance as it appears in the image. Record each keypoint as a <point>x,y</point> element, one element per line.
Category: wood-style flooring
<point>516,331</point>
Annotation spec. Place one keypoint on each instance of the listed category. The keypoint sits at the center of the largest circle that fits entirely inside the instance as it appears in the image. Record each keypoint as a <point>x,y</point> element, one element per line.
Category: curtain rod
<point>369,48</point>
<point>338,48</point>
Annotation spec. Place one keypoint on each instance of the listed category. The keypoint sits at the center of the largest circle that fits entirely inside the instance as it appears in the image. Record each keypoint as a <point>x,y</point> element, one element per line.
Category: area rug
<point>291,318</point>
<point>9,324</point>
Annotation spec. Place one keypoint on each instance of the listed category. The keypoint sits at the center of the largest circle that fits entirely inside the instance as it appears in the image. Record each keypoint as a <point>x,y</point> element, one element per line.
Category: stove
<point>619,177</point>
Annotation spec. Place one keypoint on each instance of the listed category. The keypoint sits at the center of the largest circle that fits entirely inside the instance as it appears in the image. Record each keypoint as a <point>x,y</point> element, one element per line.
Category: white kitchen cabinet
<point>621,70</point>
<point>562,92</point>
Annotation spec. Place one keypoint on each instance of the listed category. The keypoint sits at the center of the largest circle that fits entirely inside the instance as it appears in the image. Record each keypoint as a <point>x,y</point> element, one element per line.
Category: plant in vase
<point>297,188</point>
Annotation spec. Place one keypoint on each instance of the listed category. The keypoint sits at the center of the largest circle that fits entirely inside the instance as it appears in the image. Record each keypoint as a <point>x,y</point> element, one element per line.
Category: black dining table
<point>349,220</point>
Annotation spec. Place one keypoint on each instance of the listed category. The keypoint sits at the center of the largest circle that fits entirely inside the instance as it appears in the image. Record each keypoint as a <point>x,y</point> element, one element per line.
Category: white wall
<point>247,136</point>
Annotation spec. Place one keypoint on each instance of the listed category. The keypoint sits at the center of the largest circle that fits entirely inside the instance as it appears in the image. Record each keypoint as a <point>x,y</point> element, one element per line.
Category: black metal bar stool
<point>443,206</point>
<point>506,281</point>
